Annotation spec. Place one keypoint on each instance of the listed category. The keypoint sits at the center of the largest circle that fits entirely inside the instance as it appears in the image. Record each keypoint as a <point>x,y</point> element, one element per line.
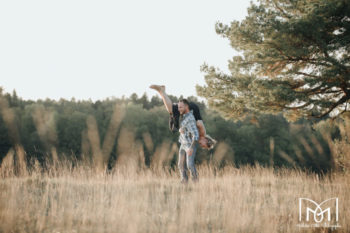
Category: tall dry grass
<point>81,199</point>
<point>83,196</point>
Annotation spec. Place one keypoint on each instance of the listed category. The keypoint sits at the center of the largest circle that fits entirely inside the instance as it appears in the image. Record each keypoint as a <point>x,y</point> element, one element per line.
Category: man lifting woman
<point>205,140</point>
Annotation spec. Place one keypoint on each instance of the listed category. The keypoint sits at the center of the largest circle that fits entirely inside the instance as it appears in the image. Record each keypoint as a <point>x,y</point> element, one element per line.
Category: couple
<point>185,117</point>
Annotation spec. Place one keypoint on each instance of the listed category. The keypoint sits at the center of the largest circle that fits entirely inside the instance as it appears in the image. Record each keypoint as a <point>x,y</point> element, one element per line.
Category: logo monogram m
<point>318,212</point>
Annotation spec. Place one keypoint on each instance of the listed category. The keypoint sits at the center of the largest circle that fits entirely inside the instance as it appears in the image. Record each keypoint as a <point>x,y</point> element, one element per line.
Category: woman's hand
<point>181,130</point>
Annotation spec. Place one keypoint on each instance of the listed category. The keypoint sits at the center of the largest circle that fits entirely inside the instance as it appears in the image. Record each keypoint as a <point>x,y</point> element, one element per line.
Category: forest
<point>42,126</point>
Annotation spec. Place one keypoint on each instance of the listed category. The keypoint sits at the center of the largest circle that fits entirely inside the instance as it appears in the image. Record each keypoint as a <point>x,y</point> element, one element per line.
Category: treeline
<point>66,125</point>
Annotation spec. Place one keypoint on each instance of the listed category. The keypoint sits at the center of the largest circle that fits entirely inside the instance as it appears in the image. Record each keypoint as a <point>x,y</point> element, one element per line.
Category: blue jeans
<point>189,163</point>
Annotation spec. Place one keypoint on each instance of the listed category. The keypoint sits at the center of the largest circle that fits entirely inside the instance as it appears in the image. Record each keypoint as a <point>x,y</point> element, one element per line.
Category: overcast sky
<point>97,49</point>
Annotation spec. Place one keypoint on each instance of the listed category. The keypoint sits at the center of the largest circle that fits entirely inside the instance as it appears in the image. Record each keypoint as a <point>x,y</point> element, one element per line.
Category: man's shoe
<point>159,88</point>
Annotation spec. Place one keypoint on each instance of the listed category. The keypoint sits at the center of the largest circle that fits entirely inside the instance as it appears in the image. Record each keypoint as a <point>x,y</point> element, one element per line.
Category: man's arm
<point>201,129</point>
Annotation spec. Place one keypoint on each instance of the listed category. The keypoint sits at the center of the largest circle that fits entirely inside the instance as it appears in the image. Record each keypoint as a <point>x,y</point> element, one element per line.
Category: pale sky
<point>98,49</point>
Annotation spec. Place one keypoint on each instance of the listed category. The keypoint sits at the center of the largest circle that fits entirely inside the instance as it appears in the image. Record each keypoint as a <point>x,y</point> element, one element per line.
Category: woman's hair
<point>211,142</point>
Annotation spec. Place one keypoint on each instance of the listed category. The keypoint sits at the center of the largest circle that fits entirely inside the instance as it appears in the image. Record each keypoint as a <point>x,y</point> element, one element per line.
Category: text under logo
<point>320,214</point>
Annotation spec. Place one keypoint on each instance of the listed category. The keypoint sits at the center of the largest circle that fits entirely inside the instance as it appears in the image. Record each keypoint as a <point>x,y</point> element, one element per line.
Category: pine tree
<point>293,58</point>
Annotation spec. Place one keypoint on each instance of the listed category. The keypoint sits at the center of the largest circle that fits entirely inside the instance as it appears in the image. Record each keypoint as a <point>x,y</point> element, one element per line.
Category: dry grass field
<point>80,199</point>
<point>133,198</point>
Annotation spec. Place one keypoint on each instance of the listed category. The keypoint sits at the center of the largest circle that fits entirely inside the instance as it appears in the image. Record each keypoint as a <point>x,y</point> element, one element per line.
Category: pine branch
<point>336,104</point>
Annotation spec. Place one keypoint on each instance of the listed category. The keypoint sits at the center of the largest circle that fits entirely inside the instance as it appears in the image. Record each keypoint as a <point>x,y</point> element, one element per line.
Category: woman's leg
<point>166,100</point>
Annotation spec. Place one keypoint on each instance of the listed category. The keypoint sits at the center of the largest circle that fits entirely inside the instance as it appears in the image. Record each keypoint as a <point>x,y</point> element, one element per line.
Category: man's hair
<point>185,101</point>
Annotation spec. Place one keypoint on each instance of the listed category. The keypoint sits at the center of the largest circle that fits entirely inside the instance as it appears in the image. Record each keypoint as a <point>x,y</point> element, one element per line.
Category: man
<point>205,140</point>
<point>188,139</point>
